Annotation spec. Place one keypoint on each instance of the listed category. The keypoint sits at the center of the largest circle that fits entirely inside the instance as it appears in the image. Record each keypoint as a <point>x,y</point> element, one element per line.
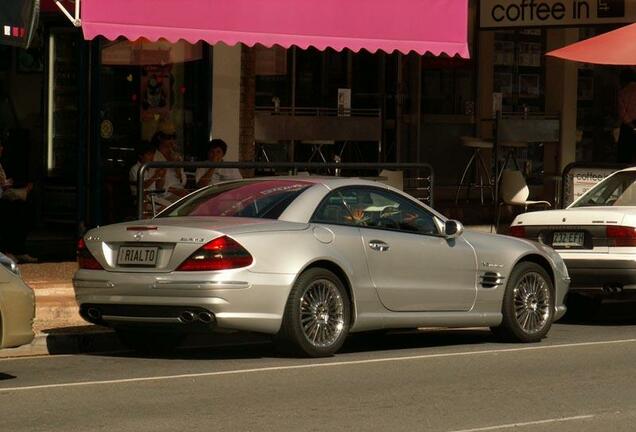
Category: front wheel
<point>317,315</point>
<point>528,304</point>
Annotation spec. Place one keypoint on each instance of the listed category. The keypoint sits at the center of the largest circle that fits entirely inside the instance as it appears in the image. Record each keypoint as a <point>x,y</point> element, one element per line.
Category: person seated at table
<point>211,176</point>
<point>153,178</point>
<point>165,141</point>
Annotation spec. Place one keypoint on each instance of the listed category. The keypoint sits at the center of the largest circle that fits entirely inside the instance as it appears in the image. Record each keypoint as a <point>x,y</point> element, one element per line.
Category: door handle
<point>378,245</point>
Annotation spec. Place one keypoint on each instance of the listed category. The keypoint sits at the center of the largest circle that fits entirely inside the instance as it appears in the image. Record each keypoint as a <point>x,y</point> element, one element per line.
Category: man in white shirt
<point>152,177</point>
<point>211,176</point>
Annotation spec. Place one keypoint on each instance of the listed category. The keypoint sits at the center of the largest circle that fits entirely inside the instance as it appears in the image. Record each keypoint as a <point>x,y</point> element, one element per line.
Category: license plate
<point>569,239</point>
<point>137,255</point>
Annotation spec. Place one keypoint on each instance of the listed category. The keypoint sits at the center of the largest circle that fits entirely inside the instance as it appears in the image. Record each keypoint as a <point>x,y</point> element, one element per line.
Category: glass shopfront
<point>145,87</point>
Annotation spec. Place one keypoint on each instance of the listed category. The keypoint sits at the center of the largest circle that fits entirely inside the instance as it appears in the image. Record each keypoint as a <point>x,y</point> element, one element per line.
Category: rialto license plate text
<point>144,256</point>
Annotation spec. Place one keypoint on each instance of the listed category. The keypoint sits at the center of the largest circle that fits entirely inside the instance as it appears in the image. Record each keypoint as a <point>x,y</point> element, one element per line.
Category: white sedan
<point>596,237</point>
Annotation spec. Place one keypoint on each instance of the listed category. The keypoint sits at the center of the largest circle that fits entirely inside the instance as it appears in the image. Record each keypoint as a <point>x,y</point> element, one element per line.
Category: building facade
<point>74,112</point>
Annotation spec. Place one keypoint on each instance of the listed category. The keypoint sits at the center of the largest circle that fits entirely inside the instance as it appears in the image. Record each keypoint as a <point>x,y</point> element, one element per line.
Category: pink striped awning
<point>435,26</point>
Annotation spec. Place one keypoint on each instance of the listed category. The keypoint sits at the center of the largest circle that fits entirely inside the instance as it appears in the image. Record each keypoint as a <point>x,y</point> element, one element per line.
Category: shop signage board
<point>581,179</point>
<point>539,13</point>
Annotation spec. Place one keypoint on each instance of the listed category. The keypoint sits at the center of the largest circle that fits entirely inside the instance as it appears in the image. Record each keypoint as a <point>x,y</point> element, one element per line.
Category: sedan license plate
<point>568,239</point>
<point>137,255</point>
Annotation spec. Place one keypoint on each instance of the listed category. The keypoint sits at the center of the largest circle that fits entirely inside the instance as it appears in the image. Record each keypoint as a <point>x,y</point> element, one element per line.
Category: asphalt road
<point>582,378</point>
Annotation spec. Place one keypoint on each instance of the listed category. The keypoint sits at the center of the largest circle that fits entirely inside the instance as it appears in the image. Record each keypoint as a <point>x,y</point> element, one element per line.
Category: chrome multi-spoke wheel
<point>528,304</point>
<point>532,302</point>
<point>322,313</point>
<point>317,315</point>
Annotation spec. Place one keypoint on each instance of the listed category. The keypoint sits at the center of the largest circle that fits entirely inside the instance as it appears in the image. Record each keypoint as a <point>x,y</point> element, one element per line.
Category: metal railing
<point>418,177</point>
<point>319,111</point>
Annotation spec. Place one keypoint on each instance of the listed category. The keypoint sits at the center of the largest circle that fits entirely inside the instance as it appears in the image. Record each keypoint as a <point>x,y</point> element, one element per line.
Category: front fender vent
<point>491,279</point>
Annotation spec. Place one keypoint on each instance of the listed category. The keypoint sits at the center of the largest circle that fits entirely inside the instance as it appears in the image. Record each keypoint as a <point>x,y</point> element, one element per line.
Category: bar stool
<point>510,148</point>
<point>476,144</point>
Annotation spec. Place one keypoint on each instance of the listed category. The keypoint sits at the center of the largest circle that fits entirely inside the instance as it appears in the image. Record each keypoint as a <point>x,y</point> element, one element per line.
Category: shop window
<point>448,86</point>
<point>519,69</point>
<point>272,68</point>
<point>143,86</point>
<point>597,117</point>
<point>366,74</point>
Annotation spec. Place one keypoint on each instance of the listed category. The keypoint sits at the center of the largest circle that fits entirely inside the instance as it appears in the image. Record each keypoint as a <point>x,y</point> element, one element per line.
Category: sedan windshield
<point>255,199</point>
<point>616,190</point>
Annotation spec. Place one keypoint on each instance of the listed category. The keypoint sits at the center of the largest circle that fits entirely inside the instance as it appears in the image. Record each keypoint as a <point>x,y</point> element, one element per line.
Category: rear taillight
<point>620,235</point>
<point>517,231</point>
<point>222,253</point>
<point>85,258</point>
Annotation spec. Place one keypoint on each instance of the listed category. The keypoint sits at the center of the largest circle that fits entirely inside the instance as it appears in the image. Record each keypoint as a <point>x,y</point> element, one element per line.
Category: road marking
<point>315,365</point>
<point>530,423</point>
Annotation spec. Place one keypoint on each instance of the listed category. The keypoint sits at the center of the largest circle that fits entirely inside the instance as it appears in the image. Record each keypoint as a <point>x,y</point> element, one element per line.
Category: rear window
<point>617,190</point>
<point>265,199</point>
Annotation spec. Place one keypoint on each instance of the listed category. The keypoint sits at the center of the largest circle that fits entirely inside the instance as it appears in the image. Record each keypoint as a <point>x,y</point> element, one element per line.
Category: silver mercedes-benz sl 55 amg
<point>310,260</point>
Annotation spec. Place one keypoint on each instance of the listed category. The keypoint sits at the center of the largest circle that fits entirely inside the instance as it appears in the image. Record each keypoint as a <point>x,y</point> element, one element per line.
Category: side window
<point>375,208</point>
<point>335,209</point>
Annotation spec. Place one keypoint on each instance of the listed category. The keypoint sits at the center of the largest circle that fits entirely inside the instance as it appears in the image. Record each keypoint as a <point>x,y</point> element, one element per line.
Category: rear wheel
<point>528,304</point>
<point>317,315</point>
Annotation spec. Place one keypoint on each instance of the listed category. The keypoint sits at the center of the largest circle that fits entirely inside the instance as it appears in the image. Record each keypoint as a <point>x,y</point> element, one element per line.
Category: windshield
<point>616,190</point>
<point>255,199</point>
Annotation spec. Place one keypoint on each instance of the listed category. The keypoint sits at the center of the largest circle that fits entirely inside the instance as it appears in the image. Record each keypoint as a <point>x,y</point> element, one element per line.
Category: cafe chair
<point>515,192</point>
<point>476,144</point>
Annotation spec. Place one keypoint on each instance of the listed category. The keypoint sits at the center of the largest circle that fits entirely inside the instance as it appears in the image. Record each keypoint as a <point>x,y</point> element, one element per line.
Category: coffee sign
<point>537,13</point>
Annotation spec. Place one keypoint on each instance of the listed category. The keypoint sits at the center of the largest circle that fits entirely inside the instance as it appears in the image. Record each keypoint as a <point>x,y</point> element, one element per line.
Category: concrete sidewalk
<point>58,327</point>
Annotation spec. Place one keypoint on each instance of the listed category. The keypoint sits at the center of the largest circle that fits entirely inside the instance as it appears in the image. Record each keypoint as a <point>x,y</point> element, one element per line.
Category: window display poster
<point>529,85</point>
<point>504,53</point>
<point>344,101</point>
<point>529,54</point>
<point>156,92</point>
<point>503,83</point>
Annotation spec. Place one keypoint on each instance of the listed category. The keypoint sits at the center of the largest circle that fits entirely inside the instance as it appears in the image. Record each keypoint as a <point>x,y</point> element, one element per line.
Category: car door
<point>412,266</point>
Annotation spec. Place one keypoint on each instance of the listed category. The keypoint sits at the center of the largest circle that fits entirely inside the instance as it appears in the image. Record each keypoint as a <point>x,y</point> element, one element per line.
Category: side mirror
<point>453,229</point>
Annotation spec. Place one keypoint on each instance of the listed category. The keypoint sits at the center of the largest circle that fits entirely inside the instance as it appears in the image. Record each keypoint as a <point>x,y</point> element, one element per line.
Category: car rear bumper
<point>240,300</point>
<point>602,276</point>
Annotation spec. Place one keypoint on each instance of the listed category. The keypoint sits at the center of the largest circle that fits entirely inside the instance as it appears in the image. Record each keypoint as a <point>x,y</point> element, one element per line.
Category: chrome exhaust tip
<point>186,317</point>
<point>205,317</point>
<point>94,314</point>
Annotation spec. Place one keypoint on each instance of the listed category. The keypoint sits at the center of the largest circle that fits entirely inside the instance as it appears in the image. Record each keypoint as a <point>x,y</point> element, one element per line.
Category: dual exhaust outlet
<point>190,317</point>
<point>612,289</point>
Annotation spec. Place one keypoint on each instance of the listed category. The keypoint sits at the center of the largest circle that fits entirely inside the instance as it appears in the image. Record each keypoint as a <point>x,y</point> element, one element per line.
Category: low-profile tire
<point>317,315</point>
<point>149,341</point>
<point>528,304</point>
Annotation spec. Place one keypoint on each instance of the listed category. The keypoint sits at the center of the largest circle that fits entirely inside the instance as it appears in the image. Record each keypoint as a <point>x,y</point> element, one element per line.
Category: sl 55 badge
<point>192,240</point>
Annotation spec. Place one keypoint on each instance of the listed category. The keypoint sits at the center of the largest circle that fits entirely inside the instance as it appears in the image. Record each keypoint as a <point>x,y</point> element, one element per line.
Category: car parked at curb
<point>596,237</point>
<point>17,306</point>
<point>310,260</point>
